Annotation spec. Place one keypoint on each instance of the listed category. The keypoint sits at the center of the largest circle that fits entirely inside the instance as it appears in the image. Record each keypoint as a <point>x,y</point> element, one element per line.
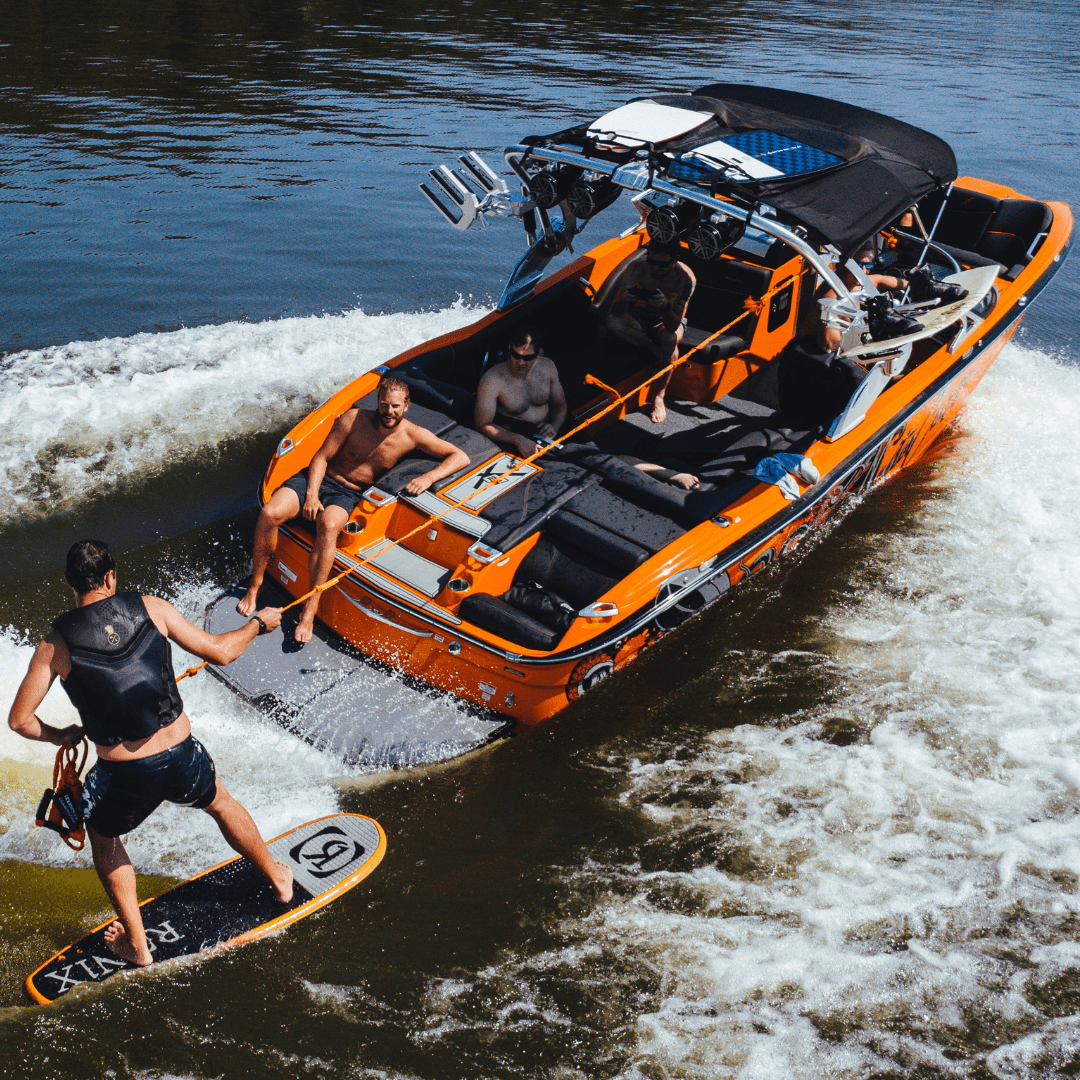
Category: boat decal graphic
<point>478,485</point>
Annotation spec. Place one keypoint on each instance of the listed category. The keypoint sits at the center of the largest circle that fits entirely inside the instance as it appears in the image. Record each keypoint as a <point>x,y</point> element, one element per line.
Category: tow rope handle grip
<point>43,808</point>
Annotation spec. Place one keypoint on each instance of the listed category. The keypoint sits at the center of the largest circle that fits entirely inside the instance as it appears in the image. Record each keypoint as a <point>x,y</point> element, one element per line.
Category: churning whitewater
<point>81,421</point>
<point>872,882</point>
<point>857,886</point>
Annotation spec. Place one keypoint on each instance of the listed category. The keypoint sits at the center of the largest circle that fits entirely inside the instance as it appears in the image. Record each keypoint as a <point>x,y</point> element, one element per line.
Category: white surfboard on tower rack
<point>632,126</point>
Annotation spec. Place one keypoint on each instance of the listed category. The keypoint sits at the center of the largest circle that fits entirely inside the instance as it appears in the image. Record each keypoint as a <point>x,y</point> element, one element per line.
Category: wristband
<point>263,628</point>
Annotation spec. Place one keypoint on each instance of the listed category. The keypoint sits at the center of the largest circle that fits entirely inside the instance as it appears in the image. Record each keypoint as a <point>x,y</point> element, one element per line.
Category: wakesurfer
<point>113,655</point>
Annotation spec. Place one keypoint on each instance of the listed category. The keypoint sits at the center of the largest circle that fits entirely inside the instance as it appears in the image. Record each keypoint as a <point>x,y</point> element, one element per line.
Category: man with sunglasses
<point>521,399</point>
<point>649,310</point>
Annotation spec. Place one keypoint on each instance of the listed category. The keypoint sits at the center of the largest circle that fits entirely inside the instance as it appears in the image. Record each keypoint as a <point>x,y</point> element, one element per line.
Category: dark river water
<point>831,829</point>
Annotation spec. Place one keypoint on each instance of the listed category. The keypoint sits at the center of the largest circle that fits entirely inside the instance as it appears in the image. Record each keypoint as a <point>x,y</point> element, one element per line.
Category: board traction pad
<point>229,904</point>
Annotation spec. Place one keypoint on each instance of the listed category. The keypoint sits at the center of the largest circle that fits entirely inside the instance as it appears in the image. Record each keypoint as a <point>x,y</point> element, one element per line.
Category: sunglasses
<point>660,264</point>
<point>523,356</point>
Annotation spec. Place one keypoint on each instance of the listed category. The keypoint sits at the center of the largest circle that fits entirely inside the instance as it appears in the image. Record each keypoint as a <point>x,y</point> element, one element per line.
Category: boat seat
<point>494,614</point>
<point>981,230</point>
<point>683,508</point>
<point>603,509</point>
<point>571,573</point>
<point>578,575</point>
<point>719,348</point>
<point>522,510</point>
<point>1013,229</point>
<point>722,288</point>
<point>427,387</point>
<point>557,564</point>
<point>479,448</point>
<point>967,215</point>
<point>616,551</point>
<point>676,508</point>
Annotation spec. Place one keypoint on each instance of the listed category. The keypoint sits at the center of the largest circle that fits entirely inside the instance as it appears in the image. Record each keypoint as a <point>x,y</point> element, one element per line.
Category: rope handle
<point>64,815</point>
<point>67,757</point>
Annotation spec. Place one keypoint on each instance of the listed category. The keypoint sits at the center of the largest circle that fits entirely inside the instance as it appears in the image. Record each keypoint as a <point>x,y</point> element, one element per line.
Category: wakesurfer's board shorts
<point>117,796</point>
<point>331,493</point>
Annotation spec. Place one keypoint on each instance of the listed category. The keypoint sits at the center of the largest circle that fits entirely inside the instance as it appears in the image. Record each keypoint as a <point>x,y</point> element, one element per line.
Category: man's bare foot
<point>283,882</point>
<point>686,480</point>
<point>659,411</point>
<point>117,941</point>
<point>250,600</point>
<point>304,629</point>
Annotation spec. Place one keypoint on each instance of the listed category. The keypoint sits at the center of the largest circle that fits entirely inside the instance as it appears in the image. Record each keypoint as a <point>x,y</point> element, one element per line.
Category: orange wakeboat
<point>518,583</point>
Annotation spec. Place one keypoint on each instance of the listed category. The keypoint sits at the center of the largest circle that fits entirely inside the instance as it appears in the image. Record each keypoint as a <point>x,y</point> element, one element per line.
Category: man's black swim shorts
<point>331,493</point>
<point>119,795</point>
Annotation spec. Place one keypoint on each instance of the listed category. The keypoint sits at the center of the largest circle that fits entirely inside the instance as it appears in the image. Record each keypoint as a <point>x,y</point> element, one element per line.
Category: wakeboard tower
<point>519,583</point>
<point>229,904</point>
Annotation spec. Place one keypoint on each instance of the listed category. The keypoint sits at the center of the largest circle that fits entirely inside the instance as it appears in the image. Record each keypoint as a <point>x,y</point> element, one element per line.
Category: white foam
<point>79,420</point>
<point>853,909</point>
<point>884,880</point>
<point>281,780</point>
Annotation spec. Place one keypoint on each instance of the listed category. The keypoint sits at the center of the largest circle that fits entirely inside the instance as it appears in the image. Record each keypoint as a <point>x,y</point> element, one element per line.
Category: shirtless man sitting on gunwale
<point>361,446</point>
<point>523,390</point>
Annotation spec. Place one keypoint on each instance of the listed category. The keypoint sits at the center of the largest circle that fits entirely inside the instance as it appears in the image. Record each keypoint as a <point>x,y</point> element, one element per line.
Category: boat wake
<point>83,420</point>
<point>890,881</point>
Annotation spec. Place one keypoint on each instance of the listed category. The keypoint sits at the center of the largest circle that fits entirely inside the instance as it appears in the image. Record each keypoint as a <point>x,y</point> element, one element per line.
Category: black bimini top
<point>842,171</point>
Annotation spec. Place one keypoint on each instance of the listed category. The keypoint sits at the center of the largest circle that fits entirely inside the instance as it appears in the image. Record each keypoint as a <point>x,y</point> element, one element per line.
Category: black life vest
<point>121,678</point>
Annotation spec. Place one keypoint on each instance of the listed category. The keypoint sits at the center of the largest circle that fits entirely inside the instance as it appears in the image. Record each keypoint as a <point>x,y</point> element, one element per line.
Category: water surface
<point>827,830</point>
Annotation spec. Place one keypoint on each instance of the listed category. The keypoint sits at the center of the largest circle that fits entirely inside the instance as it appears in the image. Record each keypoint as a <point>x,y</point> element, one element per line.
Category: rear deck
<point>362,712</point>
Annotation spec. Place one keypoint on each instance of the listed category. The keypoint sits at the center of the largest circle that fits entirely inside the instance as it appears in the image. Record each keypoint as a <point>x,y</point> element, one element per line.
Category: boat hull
<point>532,689</point>
<point>431,643</point>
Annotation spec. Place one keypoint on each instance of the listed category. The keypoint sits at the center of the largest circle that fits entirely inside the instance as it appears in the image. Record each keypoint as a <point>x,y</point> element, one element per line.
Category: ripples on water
<point>836,839</point>
<point>884,884</point>
<point>884,879</point>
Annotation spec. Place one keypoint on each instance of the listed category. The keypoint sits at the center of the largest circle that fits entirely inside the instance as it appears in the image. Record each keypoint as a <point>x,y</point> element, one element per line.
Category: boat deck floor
<point>342,702</point>
<point>719,441</point>
<point>636,429</point>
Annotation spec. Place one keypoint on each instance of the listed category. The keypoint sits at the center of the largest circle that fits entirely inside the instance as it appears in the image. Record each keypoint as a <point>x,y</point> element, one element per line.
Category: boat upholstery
<point>979,229</point>
<point>570,572</point>
<point>603,508</point>
<point>722,287</point>
<point>431,379</point>
<point>495,615</point>
<point>587,543</point>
